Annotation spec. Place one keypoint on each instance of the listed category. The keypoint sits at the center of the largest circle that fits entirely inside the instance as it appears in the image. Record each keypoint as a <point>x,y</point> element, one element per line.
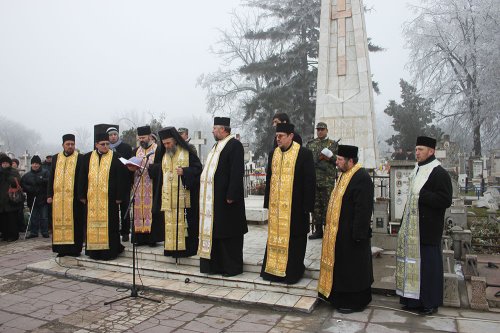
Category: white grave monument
<point>344,94</point>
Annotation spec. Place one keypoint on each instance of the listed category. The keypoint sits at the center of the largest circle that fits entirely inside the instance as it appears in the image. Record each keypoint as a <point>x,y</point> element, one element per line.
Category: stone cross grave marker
<point>198,141</point>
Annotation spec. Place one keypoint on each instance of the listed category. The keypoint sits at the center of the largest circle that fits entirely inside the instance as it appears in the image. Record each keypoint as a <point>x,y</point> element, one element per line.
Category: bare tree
<point>454,58</point>
<point>17,138</point>
<point>227,88</point>
<point>84,140</point>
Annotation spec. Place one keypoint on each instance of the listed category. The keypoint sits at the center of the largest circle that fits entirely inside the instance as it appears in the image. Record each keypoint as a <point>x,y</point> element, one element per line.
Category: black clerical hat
<point>144,130</point>
<point>284,128</point>
<point>222,121</point>
<point>347,151</point>
<point>101,137</point>
<point>166,133</point>
<point>68,137</point>
<point>426,141</point>
<point>101,128</point>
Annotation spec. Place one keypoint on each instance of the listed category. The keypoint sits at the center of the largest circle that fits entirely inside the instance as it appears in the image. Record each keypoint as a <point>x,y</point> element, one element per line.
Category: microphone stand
<point>133,290</point>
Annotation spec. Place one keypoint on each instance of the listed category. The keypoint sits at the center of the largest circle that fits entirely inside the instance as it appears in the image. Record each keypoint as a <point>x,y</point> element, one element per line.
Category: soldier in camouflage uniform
<point>326,173</point>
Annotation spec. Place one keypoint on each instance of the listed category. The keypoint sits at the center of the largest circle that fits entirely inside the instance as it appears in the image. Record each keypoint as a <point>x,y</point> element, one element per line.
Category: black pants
<point>431,279</point>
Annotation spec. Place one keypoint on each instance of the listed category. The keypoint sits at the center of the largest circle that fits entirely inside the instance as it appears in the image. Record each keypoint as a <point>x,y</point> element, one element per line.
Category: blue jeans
<point>39,220</point>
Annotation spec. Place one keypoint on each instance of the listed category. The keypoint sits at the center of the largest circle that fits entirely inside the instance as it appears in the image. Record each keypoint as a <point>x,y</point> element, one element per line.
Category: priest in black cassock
<point>176,183</point>
<point>122,149</point>
<point>419,263</point>
<point>67,210</point>
<point>101,189</point>
<point>222,205</point>
<point>346,272</point>
<point>147,229</point>
<point>289,197</point>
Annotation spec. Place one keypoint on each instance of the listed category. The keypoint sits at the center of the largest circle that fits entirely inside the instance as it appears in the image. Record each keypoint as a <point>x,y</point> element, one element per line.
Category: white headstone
<point>344,94</point>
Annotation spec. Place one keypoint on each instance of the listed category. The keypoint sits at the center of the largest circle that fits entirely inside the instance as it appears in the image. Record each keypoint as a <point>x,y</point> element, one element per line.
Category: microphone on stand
<point>149,154</point>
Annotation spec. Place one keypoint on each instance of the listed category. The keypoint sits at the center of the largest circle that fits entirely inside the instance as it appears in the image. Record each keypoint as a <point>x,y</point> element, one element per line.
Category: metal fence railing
<point>254,182</point>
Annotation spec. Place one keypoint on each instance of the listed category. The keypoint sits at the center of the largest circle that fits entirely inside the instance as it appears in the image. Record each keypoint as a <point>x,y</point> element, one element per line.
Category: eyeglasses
<point>320,129</point>
<point>104,144</point>
<point>280,135</point>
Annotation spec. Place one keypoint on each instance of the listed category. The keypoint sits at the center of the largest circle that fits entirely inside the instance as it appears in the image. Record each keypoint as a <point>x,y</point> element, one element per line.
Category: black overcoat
<point>229,219</point>
<point>353,271</point>
<point>191,180</point>
<point>303,195</point>
<point>78,209</point>
<point>117,190</point>
<point>435,196</point>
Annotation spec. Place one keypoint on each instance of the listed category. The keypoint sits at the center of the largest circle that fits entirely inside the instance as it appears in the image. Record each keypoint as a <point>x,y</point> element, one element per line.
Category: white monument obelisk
<point>344,94</point>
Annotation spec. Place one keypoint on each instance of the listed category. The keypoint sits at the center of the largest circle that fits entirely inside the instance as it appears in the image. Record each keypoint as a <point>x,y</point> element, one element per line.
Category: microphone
<point>149,154</point>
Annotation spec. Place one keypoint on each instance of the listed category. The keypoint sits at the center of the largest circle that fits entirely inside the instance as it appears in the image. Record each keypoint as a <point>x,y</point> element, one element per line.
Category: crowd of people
<point>161,192</point>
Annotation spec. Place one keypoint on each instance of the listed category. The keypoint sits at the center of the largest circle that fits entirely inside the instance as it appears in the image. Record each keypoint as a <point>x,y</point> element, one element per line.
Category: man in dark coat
<point>346,271</point>
<point>34,183</point>
<point>124,150</point>
<point>67,210</point>
<point>176,186</point>
<point>289,196</point>
<point>221,189</point>
<point>9,178</point>
<point>101,189</point>
<point>419,265</point>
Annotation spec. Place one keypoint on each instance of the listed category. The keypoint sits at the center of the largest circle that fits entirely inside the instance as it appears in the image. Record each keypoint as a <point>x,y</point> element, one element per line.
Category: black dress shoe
<point>125,238</point>
<point>427,311</point>
<point>31,236</point>
<point>45,235</point>
<point>345,310</point>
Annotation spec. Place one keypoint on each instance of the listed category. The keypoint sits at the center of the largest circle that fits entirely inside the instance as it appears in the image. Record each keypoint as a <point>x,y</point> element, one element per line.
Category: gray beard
<point>171,151</point>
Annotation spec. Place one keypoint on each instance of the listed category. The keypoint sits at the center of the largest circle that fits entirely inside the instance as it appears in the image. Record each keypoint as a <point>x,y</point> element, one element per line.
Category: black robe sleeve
<point>50,186</point>
<point>309,180</point>
<point>237,171</point>
<point>268,179</point>
<point>362,196</point>
<point>191,174</point>
<point>441,194</point>
<point>83,180</point>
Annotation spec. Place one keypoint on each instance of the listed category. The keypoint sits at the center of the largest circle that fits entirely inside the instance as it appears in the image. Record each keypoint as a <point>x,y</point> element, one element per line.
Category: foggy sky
<point>67,64</point>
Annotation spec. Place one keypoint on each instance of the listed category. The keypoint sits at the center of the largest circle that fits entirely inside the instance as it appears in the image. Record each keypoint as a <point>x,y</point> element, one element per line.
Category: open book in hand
<point>133,161</point>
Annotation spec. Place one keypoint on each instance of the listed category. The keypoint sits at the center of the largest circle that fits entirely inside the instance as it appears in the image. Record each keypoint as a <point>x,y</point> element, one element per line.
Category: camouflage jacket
<point>326,170</point>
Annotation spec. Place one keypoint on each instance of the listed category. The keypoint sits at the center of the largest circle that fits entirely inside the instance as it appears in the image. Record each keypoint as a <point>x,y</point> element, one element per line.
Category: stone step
<point>250,264</point>
<point>246,280</point>
<point>230,291</point>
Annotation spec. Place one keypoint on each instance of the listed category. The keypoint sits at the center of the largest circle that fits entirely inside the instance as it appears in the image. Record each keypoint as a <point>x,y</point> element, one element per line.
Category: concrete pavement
<point>34,302</point>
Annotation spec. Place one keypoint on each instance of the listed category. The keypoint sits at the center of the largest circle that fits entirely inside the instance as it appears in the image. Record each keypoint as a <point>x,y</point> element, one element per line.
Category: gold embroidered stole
<point>170,186</point>
<point>207,198</point>
<point>97,201</point>
<point>144,194</point>
<point>408,248</point>
<point>280,209</point>
<point>327,263</point>
<point>63,228</point>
